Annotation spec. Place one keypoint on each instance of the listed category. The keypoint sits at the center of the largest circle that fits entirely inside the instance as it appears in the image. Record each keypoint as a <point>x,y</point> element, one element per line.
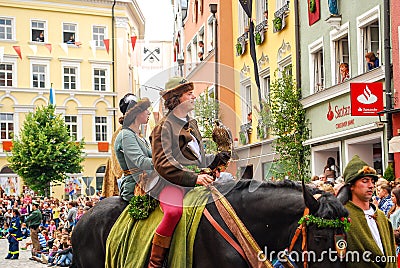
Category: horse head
<point>325,225</point>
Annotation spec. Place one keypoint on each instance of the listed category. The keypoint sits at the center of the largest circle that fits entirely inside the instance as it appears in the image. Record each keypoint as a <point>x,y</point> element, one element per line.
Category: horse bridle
<point>302,229</point>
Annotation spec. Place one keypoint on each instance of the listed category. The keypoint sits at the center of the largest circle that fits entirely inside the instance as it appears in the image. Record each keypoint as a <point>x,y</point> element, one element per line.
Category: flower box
<point>102,146</point>
<point>7,145</point>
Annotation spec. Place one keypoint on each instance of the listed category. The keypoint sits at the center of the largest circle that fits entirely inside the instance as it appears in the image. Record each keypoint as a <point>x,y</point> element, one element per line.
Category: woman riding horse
<point>176,142</point>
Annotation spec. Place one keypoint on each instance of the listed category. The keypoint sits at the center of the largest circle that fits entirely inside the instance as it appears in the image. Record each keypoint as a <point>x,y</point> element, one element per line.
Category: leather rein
<point>247,246</point>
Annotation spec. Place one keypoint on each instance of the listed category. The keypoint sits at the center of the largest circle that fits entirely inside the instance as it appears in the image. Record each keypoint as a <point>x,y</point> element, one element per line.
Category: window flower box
<point>7,145</point>
<point>102,146</point>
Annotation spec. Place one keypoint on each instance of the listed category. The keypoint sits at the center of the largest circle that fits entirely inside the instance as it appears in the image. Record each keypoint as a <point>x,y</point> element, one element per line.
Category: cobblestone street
<point>22,262</point>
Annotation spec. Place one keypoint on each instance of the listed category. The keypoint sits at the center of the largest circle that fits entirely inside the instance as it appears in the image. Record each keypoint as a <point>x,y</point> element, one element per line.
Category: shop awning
<point>394,145</point>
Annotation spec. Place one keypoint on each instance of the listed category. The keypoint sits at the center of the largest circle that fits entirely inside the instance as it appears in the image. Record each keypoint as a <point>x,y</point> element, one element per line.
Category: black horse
<point>271,213</point>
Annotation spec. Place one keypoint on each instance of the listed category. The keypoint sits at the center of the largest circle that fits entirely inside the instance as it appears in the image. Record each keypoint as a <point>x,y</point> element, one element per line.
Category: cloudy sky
<point>159,19</point>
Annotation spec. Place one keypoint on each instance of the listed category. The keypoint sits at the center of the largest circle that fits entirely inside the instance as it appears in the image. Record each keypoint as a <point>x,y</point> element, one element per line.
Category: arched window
<point>100,177</point>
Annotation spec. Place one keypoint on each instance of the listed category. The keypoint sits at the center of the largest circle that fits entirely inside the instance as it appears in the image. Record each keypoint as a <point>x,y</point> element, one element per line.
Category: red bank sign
<point>366,98</point>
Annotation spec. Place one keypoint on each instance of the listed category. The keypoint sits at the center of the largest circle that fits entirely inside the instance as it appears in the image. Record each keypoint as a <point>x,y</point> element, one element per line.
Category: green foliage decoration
<point>205,112</point>
<point>45,151</point>
<point>257,38</point>
<point>389,173</point>
<point>239,50</point>
<point>140,206</point>
<point>289,125</point>
<point>326,223</point>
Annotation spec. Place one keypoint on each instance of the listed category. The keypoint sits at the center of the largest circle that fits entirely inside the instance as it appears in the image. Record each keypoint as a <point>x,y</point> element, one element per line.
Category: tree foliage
<point>205,112</point>
<point>45,151</point>
<point>289,125</point>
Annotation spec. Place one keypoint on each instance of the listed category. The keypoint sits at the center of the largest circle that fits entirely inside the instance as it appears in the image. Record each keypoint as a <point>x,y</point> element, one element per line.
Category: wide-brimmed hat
<point>125,101</point>
<point>134,108</point>
<point>357,169</point>
<point>176,86</point>
<point>35,203</point>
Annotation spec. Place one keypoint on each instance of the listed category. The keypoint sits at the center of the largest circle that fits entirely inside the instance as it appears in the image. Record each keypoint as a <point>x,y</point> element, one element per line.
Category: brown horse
<point>270,211</point>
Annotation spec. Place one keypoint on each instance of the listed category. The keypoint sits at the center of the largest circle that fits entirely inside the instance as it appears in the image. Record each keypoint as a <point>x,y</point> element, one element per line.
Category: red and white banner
<point>366,98</point>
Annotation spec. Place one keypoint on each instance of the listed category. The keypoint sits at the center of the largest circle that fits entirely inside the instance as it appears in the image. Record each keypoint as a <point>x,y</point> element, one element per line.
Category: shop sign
<point>366,98</point>
<point>340,113</point>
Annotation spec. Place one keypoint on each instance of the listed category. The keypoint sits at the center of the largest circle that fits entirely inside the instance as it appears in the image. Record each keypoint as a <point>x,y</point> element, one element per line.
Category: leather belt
<point>131,171</point>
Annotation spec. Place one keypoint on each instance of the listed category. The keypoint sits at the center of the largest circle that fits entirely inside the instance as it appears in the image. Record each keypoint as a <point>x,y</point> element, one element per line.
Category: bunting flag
<point>48,46</point>
<point>52,97</point>
<point>107,44</point>
<point>1,54</point>
<point>18,50</point>
<point>92,44</point>
<point>33,48</point>
<point>133,41</point>
<point>247,6</point>
<point>64,47</point>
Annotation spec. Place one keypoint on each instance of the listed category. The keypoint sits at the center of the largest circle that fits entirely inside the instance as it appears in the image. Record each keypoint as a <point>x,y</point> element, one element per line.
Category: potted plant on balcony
<point>277,24</point>
<point>7,145</point>
<point>239,49</point>
<point>257,38</point>
<point>312,6</point>
<point>102,146</point>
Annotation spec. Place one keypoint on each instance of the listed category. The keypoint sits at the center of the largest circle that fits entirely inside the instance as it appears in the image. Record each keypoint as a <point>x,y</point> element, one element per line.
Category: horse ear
<point>344,194</point>
<point>309,199</point>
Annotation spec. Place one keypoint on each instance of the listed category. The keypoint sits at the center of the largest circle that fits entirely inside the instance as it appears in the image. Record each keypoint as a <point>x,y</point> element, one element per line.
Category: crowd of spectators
<point>58,220</point>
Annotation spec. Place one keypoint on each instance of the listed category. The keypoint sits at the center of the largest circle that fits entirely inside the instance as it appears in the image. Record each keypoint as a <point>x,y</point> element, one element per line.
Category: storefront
<point>336,133</point>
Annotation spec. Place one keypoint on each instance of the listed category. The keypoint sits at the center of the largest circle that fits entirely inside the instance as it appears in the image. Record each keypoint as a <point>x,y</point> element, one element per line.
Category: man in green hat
<point>33,221</point>
<point>370,240</point>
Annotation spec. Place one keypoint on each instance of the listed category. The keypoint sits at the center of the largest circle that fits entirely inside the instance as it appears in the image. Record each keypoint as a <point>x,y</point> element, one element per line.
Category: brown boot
<point>159,250</point>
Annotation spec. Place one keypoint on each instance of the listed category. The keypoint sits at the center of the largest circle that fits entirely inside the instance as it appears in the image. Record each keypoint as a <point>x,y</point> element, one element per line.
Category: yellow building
<point>73,46</point>
<point>275,49</point>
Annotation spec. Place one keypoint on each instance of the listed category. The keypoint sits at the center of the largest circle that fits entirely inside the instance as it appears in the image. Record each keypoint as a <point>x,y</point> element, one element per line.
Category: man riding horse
<point>176,143</point>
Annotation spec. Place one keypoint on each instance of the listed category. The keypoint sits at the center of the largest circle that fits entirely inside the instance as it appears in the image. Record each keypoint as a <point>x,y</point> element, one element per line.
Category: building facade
<point>275,46</point>
<point>83,50</point>
<point>339,34</point>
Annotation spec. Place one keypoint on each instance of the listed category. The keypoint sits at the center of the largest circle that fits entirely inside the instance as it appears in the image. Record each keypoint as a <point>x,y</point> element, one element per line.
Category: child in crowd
<point>25,231</point>
<point>4,230</point>
<point>52,227</point>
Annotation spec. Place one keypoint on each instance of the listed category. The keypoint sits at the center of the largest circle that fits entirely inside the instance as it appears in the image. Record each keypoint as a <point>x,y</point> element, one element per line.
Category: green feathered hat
<point>176,86</point>
<point>357,169</point>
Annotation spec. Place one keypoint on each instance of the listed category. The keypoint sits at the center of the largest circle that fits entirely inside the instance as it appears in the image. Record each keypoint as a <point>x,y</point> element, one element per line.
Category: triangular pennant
<point>48,46</point>
<point>1,54</point>
<point>133,41</point>
<point>18,50</point>
<point>107,44</point>
<point>64,47</point>
<point>92,44</point>
<point>33,48</point>
<point>120,43</point>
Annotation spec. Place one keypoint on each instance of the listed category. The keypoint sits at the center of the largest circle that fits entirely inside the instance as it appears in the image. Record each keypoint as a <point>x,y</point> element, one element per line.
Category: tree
<point>205,110</point>
<point>45,151</point>
<point>289,125</point>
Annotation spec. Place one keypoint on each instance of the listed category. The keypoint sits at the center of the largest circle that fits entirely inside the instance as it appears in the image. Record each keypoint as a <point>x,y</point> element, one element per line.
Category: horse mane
<point>329,205</point>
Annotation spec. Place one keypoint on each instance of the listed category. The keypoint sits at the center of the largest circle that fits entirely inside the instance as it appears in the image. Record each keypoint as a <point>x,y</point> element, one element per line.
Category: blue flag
<point>52,98</point>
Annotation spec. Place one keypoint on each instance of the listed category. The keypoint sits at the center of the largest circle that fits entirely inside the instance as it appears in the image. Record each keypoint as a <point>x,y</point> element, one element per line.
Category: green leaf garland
<point>325,223</point>
<point>140,206</point>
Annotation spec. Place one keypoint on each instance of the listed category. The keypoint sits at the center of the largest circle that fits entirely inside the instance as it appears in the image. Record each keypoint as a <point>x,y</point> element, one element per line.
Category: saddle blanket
<point>129,241</point>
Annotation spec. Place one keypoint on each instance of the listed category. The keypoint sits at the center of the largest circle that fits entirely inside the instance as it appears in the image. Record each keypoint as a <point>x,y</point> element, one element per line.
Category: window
<point>72,125</point>
<point>342,55</point>
<point>280,4</point>
<point>262,10</point>
<point>247,105</point>
<point>6,29</point>
<point>210,34</point>
<point>70,74</point>
<point>189,57</point>
<point>6,75</point>
<point>266,85</point>
<point>38,76</point>
<point>318,70</point>
<point>100,79</point>
<point>69,33</point>
<point>316,63</point>
<point>99,35</point>
<point>101,128</point>
<point>243,21</point>
<point>38,31</point>
<point>6,125</point>
<point>368,37</point>
<point>371,40</point>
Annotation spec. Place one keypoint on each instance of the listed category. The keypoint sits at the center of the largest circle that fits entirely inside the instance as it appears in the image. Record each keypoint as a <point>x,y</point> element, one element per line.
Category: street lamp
<point>213,10</point>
